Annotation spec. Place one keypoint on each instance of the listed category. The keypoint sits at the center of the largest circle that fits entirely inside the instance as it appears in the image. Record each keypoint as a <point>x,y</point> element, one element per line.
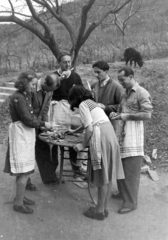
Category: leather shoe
<point>55,181</point>
<point>106,212</point>
<point>22,209</point>
<point>30,187</point>
<point>27,201</point>
<point>94,215</point>
<point>116,195</point>
<point>125,210</point>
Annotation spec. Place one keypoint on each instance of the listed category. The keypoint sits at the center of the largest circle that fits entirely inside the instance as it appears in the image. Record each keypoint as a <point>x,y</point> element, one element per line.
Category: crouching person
<point>20,158</point>
<point>104,148</point>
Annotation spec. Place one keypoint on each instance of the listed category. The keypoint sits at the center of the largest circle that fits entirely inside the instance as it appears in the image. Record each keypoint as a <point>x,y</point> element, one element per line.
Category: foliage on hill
<point>146,30</point>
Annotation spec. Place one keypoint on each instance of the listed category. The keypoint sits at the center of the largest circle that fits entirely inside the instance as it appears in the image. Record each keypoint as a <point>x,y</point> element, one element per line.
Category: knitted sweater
<point>66,84</point>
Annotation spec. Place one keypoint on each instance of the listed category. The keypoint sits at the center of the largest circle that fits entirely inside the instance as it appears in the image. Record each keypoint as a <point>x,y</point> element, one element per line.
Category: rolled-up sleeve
<point>145,101</point>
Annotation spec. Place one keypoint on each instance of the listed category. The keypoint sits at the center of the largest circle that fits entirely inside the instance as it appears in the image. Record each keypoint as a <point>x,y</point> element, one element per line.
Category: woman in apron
<point>104,148</point>
<point>20,158</point>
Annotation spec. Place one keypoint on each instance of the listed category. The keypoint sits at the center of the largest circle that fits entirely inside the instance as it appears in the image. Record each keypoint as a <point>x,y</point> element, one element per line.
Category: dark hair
<point>102,65</point>
<point>127,71</point>
<point>49,80</point>
<point>61,55</point>
<point>23,79</point>
<point>78,94</point>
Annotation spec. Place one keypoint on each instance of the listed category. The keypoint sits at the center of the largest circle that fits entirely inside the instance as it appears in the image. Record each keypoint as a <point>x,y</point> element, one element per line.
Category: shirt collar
<point>135,86</point>
<point>104,82</point>
<point>60,72</point>
<point>39,88</point>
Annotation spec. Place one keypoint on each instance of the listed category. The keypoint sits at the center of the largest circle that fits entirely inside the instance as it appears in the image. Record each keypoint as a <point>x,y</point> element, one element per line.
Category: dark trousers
<point>129,187</point>
<point>47,166</point>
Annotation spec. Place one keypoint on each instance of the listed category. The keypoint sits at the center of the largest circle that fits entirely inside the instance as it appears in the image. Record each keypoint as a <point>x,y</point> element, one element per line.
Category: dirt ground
<point>58,213</point>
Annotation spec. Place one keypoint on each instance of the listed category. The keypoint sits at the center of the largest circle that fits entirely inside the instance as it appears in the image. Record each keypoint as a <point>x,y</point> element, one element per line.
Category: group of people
<point>113,102</point>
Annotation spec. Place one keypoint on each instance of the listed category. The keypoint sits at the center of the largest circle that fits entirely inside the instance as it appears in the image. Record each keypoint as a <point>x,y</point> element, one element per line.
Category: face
<point>32,85</point>
<point>65,63</point>
<point>100,74</point>
<point>125,81</point>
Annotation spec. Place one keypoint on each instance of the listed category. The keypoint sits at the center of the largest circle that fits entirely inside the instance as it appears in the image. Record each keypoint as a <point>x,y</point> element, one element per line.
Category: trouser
<point>129,187</point>
<point>47,166</point>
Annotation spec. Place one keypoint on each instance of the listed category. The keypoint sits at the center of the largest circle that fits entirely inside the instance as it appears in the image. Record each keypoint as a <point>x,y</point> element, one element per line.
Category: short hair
<point>127,71</point>
<point>23,80</point>
<point>61,55</point>
<point>78,94</point>
<point>49,80</point>
<point>102,65</point>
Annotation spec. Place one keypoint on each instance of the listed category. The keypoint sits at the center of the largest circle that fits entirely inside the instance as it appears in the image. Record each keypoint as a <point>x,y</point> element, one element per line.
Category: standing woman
<point>20,158</point>
<point>104,148</point>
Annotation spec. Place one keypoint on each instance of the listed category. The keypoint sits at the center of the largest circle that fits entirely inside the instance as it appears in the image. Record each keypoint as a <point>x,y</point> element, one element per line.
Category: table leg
<point>51,147</point>
<point>61,165</point>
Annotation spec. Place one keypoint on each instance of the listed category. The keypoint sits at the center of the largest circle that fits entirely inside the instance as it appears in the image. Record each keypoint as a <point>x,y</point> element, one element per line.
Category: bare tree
<point>41,10</point>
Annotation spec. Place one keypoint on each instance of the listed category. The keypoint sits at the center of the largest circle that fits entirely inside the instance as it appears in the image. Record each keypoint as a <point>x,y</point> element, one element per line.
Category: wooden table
<point>68,142</point>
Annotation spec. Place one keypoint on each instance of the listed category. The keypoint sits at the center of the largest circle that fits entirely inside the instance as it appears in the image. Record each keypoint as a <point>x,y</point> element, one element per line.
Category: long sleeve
<point>21,110</point>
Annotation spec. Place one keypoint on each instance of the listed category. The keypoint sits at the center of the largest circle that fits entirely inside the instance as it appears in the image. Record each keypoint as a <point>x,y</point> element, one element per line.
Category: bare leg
<point>102,193</point>
<point>21,182</point>
<point>109,187</point>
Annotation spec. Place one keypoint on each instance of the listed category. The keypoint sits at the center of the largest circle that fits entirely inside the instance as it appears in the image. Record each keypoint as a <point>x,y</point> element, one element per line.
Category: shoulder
<point>17,95</point>
<point>75,74</point>
<point>115,85</point>
<point>143,93</point>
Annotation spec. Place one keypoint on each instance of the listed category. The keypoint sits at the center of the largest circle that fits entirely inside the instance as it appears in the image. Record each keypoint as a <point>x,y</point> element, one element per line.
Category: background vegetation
<point>141,24</point>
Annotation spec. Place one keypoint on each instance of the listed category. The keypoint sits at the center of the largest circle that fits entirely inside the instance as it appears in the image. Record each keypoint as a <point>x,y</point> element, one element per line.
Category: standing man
<point>108,92</point>
<point>69,78</point>
<point>135,108</point>
<point>40,101</point>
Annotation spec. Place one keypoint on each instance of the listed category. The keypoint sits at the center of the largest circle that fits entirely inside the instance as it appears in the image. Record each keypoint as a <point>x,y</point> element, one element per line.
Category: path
<point>58,215</point>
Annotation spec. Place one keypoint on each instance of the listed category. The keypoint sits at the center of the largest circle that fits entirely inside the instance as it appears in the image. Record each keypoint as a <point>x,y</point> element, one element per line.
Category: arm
<point>25,112</point>
<point>46,108</point>
<point>145,111</point>
<point>141,116</point>
<point>88,133</point>
<point>117,98</point>
<point>81,127</point>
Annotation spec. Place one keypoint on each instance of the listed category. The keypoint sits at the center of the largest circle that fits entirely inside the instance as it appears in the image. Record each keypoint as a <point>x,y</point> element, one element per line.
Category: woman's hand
<point>78,147</point>
<point>101,105</point>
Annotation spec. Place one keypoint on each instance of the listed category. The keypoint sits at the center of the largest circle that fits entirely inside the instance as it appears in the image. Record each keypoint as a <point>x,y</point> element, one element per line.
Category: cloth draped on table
<point>22,148</point>
<point>95,146</point>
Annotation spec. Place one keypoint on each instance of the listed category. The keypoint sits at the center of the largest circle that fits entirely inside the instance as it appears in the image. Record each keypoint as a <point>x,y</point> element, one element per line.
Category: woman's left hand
<point>78,147</point>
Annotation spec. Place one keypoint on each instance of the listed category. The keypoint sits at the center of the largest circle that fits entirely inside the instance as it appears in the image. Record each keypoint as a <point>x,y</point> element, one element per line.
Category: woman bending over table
<point>20,158</point>
<point>104,148</point>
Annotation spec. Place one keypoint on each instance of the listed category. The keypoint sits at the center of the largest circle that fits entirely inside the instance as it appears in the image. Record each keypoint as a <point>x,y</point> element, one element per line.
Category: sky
<point>19,3</point>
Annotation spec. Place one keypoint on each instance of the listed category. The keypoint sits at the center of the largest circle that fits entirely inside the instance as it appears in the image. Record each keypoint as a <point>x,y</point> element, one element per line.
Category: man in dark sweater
<point>68,79</point>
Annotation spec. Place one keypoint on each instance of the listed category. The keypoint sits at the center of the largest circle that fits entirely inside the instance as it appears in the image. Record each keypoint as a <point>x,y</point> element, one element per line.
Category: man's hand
<point>121,116</point>
<point>48,125</point>
<point>78,147</point>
